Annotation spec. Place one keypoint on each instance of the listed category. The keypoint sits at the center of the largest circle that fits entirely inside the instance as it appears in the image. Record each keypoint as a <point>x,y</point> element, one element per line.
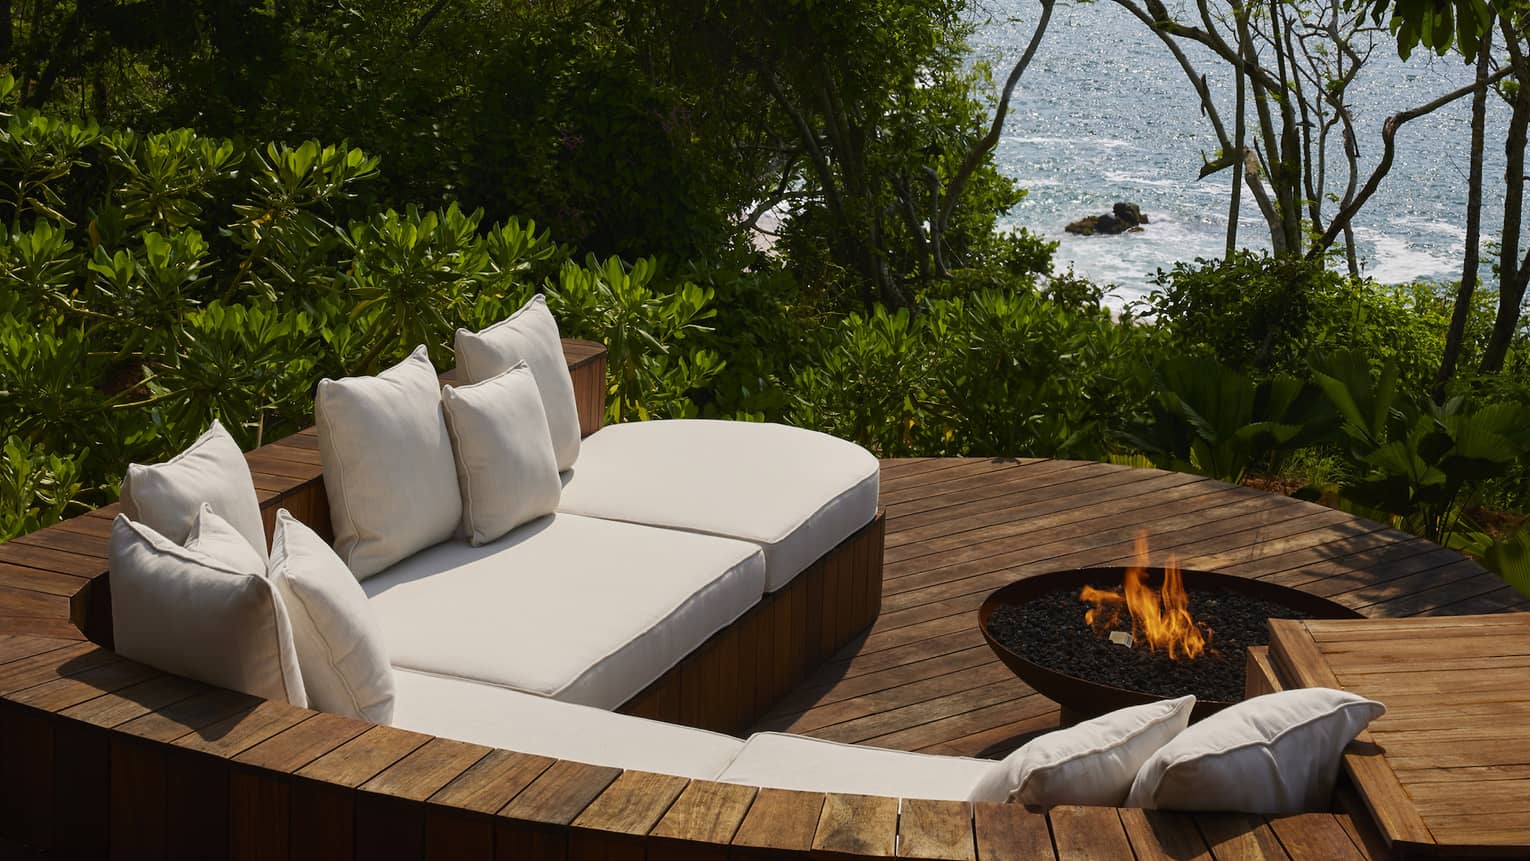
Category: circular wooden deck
<point>958,528</point>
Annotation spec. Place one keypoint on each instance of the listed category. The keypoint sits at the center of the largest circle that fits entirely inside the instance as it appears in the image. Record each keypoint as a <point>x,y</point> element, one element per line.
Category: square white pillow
<point>215,537</point>
<point>388,467</point>
<point>529,335</point>
<point>187,613</point>
<point>167,496</point>
<point>1275,754</point>
<point>505,462</point>
<point>339,643</point>
<point>1090,763</point>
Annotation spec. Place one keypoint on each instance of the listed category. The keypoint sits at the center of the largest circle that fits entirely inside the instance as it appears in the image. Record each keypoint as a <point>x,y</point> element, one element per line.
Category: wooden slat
<point>936,829</point>
<point>1009,832</point>
<point>364,756</point>
<point>1314,837</point>
<point>857,825</point>
<point>1240,837</point>
<point>1091,833</point>
<point>780,820</point>
<point>1158,835</point>
<point>706,814</point>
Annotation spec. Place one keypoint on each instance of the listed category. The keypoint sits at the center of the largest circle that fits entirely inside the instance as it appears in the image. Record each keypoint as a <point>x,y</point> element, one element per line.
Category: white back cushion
<point>167,496</point>
<point>187,613</point>
<point>339,643</point>
<point>1275,754</point>
<point>529,335</point>
<point>213,536</point>
<point>505,462</point>
<point>785,761</point>
<point>388,467</point>
<point>1090,763</point>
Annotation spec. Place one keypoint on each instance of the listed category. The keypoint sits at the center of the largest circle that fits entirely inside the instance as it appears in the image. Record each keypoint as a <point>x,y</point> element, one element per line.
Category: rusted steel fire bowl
<point>1083,698</point>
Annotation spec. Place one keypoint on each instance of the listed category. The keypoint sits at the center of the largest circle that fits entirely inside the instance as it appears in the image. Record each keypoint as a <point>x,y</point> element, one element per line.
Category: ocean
<point>1104,113</point>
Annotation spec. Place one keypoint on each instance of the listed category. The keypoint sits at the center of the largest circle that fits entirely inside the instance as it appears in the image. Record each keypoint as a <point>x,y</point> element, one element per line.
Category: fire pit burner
<point>1037,628</point>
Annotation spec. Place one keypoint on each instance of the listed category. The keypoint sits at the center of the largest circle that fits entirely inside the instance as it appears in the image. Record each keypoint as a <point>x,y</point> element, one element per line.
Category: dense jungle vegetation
<point>783,212</point>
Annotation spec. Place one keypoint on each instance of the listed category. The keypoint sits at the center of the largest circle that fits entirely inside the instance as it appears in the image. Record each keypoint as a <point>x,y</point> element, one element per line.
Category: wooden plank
<point>237,733</point>
<point>427,770</point>
<point>857,825</point>
<point>1088,833</point>
<point>297,746</point>
<point>560,793</point>
<point>1240,837</point>
<point>49,666</point>
<point>936,829</point>
<point>1159,835</point>
<point>364,756</point>
<point>706,815</point>
<point>84,686</point>
<point>780,820</point>
<point>489,784</point>
<point>1314,837</point>
<point>1009,832</point>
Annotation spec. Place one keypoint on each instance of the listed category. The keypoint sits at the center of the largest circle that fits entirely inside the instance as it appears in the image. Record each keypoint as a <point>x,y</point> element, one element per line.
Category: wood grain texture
<point>152,766</point>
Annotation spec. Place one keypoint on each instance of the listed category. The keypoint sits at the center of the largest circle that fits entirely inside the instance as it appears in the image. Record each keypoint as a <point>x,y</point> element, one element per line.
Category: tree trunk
<point>1512,272</point>
<point>1471,260</point>
<point>1240,138</point>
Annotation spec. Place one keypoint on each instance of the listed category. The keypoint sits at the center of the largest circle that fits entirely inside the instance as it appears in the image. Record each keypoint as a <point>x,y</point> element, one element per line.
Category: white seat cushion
<point>796,493</point>
<point>494,716</point>
<point>579,609</point>
<point>785,761</point>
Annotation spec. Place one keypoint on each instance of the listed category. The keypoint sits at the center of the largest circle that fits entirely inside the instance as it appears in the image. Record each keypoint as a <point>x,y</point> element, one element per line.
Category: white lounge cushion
<point>505,462</point>
<point>1275,754</point>
<point>388,467</point>
<point>785,761</point>
<point>497,717</point>
<point>529,335</point>
<point>187,613</point>
<point>339,643</point>
<point>796,493</point>
<point>579,609</point>
<point>167,496</point>
<point>1090,763</point>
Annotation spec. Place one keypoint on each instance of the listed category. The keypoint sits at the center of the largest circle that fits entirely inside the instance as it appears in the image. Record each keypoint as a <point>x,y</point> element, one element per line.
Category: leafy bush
<point>996,373</point>
<point>1262,314</point>
<point>151,283</point>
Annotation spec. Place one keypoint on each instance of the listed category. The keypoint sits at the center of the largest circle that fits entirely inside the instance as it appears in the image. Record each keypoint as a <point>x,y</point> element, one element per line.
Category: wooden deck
<point>957,529</point>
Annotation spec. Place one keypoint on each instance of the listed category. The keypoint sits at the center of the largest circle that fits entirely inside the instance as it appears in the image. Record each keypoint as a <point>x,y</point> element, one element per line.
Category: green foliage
<point>1262,314</point>
<point>1412,458</point>
<point>36,487</point>
<point>993,374</point>
<point>1211,420</point>
<point>150,283</point>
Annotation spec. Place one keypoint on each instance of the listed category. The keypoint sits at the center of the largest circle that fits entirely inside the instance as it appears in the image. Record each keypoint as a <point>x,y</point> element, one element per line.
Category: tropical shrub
<point>151,283</point>
<point>996,373</point>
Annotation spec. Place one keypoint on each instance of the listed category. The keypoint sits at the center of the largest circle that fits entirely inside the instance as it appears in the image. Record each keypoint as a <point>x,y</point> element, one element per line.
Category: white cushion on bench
<point>488,715</point>
<point>786,761</point>
<point>583,610</point>
<point>796,493</point>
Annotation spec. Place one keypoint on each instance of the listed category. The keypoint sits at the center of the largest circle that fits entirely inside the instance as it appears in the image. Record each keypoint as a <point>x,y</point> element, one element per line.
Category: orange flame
<point>1160,618</point>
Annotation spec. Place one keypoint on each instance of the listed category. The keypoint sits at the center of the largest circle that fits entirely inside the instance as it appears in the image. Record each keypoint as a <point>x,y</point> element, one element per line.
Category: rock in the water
<point>1123,217</point>
<point>1129,213</point>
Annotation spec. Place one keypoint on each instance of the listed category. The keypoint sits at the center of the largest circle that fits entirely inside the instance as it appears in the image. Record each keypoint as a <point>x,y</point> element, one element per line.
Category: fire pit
<point>1098,639</point>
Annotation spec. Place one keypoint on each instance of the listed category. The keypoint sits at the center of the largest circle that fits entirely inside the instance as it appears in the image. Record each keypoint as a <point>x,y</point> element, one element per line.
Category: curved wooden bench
<point>104,757</point>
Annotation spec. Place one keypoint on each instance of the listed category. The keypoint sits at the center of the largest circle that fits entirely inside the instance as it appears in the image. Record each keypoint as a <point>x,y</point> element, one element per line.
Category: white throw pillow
<point>388,467</point>
<point>1274,754</point>
<point>529,335</point>
<point>187,613</point>
<point>339,643</point>
<point>505,462</point>
<point>167,496</point>
<point>215,537</point>
<point>1092,762</point>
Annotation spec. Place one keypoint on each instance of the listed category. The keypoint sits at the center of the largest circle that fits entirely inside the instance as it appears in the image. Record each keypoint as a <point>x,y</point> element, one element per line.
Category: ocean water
<point>1104,113</point>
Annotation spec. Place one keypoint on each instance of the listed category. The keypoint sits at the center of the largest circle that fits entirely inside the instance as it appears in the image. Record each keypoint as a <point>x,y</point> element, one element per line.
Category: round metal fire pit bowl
<point>1083,698</point>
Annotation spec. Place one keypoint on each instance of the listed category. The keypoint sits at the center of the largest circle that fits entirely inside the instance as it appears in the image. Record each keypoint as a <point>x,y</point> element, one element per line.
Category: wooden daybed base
<point>103,757</point>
